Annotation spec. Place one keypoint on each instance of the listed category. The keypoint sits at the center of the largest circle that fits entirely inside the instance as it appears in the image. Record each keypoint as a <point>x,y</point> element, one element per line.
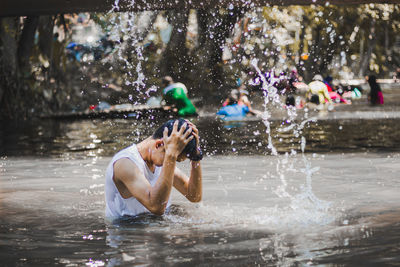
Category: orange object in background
<point>304,56</point>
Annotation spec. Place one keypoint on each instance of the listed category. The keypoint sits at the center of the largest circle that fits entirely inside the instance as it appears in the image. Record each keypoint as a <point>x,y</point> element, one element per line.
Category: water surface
<point>52,212</point>
<point>337,204</point>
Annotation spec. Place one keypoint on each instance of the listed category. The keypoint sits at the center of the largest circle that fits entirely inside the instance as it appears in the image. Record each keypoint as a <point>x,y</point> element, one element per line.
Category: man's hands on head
<point>195,132</point>
<point>176,142</point>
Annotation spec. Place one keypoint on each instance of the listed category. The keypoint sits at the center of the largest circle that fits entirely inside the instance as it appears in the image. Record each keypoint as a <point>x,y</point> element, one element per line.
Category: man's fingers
<point>182,129</point>
<point>197,139</point>
<point>188,139</point>
<point>195,129</point>
<point>175,127</point>
<point>192,126</point>
<point>187,133</point>
<point>165,133</point>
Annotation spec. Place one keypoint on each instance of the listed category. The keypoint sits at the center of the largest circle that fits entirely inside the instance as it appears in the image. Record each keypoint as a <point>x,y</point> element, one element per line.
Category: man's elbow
<point>157,209</point>
<point>195,199</point>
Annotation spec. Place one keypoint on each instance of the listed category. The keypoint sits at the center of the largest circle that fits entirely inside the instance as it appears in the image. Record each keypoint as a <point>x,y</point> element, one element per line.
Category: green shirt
<point>175,95</point>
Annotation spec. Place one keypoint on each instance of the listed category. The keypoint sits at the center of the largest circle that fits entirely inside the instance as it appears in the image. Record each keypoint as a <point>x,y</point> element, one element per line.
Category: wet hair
<point>318,77</point>
<point>290,101</point>
<point>314,99</point>
<point>167,80</point>
<point>232,100</point>
<point>233,97</point>
<point>371,79</point>
<point>190,149</point>
<point>328,79</point>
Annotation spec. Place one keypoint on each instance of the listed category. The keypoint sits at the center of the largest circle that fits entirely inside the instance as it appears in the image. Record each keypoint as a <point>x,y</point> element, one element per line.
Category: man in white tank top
<point>139,178</point>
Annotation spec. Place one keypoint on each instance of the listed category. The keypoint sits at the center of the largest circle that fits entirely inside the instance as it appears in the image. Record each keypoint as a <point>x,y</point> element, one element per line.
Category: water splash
<point>128,34</point>
<point>307,207</point>
<point>270,94</point>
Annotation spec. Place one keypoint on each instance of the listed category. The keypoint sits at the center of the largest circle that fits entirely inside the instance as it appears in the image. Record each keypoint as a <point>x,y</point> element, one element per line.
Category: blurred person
<point>237,105</point>
<point>293,79</point>
<point>175,97</point>
<point>243,96</point>
<point>140,177</point>
<point>239,95</point>
<point>233,110</point>
<point>290,101</point>
<point>314,104</point>
<point>244,100</point>
<point>328,82</point>
<point>334,94</point>
<point>233,98</point>
<point>317,87</point>
<point>375,96</point>
<point>396,76</point>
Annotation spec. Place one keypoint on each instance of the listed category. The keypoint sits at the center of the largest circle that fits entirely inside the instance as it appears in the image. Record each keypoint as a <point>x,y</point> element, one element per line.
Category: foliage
<point>338,40</point>
<point>206,49</point>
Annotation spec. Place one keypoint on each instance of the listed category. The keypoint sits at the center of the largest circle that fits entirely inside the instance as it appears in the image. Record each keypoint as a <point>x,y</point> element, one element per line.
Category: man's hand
<point>190,187</point>
<point>195,132</point>
<point>176,142</point>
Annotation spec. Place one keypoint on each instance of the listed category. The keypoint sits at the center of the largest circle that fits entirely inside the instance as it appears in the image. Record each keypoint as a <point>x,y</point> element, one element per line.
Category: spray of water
<point>126,32</point>
<point>305,204</point>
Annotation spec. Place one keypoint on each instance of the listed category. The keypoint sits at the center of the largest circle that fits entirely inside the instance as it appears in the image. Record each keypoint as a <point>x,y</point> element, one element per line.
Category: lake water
<point>337,204</point>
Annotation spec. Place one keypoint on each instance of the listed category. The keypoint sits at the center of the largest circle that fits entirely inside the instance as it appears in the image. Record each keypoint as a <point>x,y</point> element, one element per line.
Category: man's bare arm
<point>154,198</point>
<point>191,187</point>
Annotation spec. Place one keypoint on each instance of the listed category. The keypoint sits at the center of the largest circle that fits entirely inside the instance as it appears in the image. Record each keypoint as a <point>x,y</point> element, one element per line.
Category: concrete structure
<point>42,7</point>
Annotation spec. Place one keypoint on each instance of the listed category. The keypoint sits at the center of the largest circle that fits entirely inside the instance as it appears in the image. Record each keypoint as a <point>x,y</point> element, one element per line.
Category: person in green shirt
<point>175,95</point>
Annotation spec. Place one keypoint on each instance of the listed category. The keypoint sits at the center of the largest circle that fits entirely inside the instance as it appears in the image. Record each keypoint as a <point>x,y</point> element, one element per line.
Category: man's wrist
<point>198,156</point>
<point>171,156</point>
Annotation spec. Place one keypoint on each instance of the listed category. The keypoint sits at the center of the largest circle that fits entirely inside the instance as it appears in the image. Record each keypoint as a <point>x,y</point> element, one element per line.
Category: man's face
<point>159,154</point>
<point>158,158</point>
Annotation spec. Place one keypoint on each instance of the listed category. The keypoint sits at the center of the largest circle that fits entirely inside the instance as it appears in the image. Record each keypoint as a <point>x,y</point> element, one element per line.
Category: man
<point>139,178</point>
<point>175,95</point>
<point>233,110</point>
<point>237,106</point>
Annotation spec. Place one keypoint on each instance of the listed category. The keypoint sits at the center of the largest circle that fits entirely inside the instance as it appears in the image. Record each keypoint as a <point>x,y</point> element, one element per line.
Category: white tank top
<point>116,205</point>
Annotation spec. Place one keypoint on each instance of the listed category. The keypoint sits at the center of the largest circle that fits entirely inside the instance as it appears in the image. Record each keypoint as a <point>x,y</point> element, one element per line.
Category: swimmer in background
<point>334,94</point>
<point>314,104</point>
<point>139,178</point>
<point>175,97</point>
<point>240,97</point>
<point>233,110</point>
<point>375,96</point>
<point>317,87</point>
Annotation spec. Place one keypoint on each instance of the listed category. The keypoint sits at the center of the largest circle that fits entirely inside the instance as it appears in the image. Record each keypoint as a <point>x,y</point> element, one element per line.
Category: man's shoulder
<point>126,168</point>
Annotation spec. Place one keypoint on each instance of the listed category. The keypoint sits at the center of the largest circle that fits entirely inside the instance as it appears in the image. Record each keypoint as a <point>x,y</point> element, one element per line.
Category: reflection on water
<point>52,212</point>
<point>83,138</point>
